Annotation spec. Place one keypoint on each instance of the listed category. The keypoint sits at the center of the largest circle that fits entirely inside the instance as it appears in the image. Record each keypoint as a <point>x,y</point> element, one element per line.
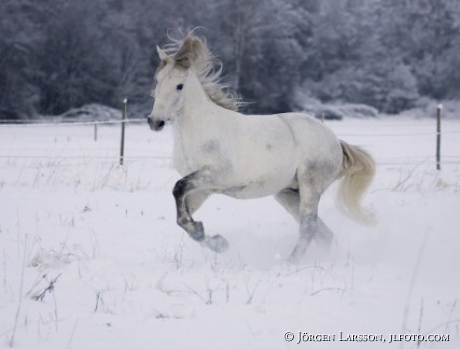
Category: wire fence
<point>138,155</point>
<point>5,123</point>
<point>397,134</point>
<point>49,122</point>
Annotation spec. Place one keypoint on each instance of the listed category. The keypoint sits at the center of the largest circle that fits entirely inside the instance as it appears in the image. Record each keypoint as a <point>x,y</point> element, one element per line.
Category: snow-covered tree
<point>59,54</point>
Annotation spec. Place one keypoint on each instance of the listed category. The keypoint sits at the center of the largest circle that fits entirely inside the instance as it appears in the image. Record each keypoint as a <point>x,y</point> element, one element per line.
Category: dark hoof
<point>216,243</point>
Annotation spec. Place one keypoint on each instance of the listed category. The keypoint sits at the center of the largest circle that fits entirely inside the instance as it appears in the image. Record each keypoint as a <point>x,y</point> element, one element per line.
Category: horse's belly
<point>257,188</point>
<point>247,191</point>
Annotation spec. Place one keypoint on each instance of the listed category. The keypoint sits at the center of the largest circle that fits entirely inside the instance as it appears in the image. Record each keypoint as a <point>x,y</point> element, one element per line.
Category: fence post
<point>122,146</point>
<point>95,132</point>
<point>438,136</point>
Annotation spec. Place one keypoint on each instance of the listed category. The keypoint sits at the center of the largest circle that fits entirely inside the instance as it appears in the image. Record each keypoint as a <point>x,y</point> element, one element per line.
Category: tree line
<point>390,54</point>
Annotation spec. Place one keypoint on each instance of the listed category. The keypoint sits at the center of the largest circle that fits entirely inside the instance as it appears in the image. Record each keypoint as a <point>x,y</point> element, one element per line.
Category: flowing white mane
<point>192,51</point>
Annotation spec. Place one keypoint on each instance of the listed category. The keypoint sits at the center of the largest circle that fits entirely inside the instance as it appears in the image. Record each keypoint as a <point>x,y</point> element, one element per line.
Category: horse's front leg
<point>183,192</point>
<point>190,192</point>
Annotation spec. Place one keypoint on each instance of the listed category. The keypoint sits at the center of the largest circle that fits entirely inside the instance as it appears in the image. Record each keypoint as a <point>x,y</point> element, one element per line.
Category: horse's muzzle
<point>155,125</point>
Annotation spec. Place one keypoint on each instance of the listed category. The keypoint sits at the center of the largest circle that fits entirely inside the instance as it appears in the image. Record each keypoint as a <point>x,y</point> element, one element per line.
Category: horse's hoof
<point>217,243</point>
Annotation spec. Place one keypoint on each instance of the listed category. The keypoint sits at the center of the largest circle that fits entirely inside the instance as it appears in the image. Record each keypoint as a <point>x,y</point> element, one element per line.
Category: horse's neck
<point>198,110</point>
<point>190,125</point>
<point>193,125</point>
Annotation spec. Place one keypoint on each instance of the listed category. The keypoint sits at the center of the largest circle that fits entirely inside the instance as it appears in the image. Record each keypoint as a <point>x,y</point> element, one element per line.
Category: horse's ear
<point>163,56</point>
<point>186,54</point>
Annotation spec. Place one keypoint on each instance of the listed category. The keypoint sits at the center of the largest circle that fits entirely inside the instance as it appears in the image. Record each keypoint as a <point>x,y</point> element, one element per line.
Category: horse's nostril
<point>156,125</point>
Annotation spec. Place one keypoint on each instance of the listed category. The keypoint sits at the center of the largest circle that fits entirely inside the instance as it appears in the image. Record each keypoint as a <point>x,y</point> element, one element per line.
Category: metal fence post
<point>438,136</point>
<point>122,146</point>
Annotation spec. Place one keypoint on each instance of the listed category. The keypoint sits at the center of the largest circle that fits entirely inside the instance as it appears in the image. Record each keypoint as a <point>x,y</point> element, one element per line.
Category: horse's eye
<point>180,87</point>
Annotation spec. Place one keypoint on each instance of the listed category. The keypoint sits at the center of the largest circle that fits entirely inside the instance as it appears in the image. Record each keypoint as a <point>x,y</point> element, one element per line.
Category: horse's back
<point>281,144</point>
<point>310,134</point>
<point>297,135</point>
<point>318,145</point>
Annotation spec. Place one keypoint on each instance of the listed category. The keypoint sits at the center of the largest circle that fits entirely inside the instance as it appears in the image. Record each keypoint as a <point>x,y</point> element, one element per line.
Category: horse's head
<point>190,61</point>
<point>171,80</point>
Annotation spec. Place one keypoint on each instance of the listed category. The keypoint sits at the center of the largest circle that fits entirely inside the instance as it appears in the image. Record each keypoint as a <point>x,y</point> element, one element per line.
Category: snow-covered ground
<point>91,256</point>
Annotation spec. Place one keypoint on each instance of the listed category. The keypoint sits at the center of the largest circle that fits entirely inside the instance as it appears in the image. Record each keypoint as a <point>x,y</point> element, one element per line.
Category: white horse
<point>218,150</point>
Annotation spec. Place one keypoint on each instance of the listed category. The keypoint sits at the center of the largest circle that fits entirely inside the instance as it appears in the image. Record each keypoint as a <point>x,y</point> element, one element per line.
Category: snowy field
<point>91,256</point>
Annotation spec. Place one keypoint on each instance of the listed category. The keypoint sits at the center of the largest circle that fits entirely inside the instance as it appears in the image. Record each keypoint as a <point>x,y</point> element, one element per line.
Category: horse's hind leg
<point>325,236</point>
<point>308,221</point>
<point>290,199</point>
<point>313,178</point>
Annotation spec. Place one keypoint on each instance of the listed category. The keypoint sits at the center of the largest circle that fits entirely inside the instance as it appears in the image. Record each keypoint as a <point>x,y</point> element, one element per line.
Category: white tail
<point>358,170</point>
